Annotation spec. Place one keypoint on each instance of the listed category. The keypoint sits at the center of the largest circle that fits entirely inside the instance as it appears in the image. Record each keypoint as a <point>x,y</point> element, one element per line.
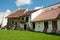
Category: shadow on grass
<point>53,34</point>
<point>47,33</point>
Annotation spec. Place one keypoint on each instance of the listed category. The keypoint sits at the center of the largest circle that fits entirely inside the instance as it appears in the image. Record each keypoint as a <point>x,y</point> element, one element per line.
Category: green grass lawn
<point>26,35</point>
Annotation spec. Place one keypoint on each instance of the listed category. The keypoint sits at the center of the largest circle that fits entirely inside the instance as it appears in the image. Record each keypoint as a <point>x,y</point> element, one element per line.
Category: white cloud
<point>8,10</point>
<point>23,2</point>
<point>38,7</point>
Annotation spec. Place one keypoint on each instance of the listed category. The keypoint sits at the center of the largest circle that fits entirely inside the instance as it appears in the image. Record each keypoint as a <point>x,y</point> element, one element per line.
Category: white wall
<point>4,23</point>
<point>28,23</point>
<point>49,30</point>
<point>1,16</point>
<point>39,26</point>
<point>21,26</point>
<point>58,23</point>
<point>35,14</point>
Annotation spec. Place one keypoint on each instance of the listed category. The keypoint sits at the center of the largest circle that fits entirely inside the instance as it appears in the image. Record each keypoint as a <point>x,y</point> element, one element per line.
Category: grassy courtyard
<point>26,35</point>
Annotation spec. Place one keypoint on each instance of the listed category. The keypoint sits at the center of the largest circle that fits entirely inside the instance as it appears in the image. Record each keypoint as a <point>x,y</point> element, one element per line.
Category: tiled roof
<point>16,14</point>
<point>20,13</point>
<point>49,15</point>
<point>27,13</point>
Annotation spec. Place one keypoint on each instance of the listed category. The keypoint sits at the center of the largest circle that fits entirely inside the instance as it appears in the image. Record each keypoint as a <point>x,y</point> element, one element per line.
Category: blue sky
<point>30,4</point>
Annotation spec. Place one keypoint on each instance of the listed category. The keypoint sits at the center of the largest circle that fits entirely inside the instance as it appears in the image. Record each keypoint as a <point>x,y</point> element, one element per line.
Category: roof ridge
<point>50,5</point>
<point>51,10</point>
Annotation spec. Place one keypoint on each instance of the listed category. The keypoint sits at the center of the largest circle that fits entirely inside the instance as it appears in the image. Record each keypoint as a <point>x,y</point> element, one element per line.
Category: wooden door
<point>54,26</point>
<point>45,26</point>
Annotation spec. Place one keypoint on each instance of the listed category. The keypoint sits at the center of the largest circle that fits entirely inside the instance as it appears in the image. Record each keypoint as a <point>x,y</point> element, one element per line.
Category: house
<point>20,20</point>
<point>3,20</point>
<point>48,20</point>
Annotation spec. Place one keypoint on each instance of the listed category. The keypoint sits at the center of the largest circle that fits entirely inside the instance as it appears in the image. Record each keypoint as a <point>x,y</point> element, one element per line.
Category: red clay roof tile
<point>29,12</point>
<point>16,14</point>
<point>50,15</point>
<point>20,13</point>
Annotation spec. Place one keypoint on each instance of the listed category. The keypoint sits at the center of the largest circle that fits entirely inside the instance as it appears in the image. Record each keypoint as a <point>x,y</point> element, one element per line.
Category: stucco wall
<point>49,30</point>
<point>58,23</point>
<point>39,26</point>
<point>27,23</point>
<point>3,19</point>
<point>11,25</point>
<point>4,23</point>
<point>21,26</point>
<point>34,14</point>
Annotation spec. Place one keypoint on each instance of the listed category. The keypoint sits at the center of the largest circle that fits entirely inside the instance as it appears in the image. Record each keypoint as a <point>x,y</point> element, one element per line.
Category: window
<point>12,22</point>
<point>46,25</point>
<point>22,18</point>
<point>27,19</point>
<point>39,25</point>
<point>15,23</point>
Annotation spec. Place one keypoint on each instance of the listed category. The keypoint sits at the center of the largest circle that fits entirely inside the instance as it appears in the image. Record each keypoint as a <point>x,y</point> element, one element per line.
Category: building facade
<point>20,20</point>
<point>45,19</point>
<point>48,20</point>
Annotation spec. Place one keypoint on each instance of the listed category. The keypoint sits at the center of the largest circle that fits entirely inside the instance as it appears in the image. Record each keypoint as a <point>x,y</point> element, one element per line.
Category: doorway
<point>54,26</point>
<point>45,26</point>
<point>24,26</point>
<point>33,25</point>
<point>15,25</point>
